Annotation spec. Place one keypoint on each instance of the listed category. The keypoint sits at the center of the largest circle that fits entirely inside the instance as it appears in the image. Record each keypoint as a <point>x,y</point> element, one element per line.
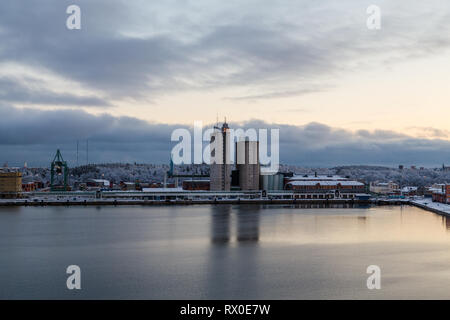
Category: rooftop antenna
<point>87,152</point>
<point>217,122</point>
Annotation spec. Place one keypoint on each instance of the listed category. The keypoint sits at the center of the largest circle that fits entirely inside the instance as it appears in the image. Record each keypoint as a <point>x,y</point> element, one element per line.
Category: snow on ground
<point>433,205</point>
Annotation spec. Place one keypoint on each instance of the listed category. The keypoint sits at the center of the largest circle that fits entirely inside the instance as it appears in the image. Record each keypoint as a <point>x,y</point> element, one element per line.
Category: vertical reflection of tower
<point>220,224</point>
<point>232,271</point>
<point>248,223</point>
<point>248,256</point>
<point>447,222</point>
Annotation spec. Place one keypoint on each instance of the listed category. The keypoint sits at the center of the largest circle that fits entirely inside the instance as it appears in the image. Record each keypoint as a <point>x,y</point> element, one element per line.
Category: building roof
<point>163,189</point>
<point>105,182</point>
<point>326,183</point>
<point>312,177</point>
<point>409,189</point>
<point>383,184</point>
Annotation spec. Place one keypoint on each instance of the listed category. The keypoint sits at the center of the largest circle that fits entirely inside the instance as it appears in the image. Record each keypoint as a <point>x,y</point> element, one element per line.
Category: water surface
<point>223,252</point>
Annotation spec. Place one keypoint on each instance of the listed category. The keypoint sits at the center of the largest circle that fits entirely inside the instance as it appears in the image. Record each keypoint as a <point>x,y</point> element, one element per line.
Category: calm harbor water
<point>223,252</point>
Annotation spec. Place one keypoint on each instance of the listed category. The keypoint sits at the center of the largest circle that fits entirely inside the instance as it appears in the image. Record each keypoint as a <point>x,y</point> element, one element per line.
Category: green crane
<point>59,167</point>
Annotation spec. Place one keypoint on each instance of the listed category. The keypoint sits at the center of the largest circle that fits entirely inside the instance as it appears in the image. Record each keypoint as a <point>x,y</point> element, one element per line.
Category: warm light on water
<point>223,252</point>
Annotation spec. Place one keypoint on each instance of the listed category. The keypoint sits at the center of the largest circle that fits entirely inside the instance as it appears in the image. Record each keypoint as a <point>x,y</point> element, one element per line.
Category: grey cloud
<point>15,91</point>
<point>280,94</point>
<point>266,48</point>
<point>34,135</point>
<point>316,144</point>
<point>430,132</point>
<point>381,134</point>
<point>31,126</point>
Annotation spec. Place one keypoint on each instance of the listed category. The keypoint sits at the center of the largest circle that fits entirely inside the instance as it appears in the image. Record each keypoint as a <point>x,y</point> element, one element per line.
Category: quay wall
<point>118,202</point>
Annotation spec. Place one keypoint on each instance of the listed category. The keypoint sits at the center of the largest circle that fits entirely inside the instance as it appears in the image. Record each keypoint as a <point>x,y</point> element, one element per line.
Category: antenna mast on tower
<point>87,152</point>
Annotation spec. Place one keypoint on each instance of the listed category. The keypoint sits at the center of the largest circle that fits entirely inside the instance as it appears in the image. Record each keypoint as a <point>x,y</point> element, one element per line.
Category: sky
<point>339,92</point>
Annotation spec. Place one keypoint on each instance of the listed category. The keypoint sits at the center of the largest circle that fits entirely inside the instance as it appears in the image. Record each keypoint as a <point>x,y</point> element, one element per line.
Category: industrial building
<point>324,187</point>
<point>10,184</point>
<point>220,168</point>
<point>247,164</point>
<point>272,182</point>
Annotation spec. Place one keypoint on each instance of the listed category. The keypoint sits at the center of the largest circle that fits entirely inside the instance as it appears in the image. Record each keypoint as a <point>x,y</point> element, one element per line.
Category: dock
<point>177,198</point>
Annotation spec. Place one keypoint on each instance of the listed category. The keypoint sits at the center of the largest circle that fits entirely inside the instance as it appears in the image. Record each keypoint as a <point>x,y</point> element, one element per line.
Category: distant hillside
<point>117,172</point>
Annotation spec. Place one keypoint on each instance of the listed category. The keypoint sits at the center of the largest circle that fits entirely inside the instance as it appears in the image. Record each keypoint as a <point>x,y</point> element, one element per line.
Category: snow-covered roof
<point>384,183</point>
<point>311,177</point>
<point>409,189</point>
<point>105,182</point>
<point>162,189</point>
<point>31,179</point>
<point>326,183</point>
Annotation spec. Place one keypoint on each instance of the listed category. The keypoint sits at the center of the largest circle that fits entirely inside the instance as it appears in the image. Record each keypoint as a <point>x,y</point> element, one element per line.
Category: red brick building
<point>196,185</point>
<point>324,187</point>
<point>443,195</point>
<point>28,187</point>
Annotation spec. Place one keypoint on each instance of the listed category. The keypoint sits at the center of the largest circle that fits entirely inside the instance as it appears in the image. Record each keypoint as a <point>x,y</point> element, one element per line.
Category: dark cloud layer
<point>34,135</point>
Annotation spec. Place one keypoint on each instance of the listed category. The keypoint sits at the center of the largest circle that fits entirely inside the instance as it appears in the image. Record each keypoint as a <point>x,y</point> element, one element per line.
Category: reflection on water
<point>248,223</point>
<point>224,252</point>
<point>243,221</point>
<point>245,224</point>
<point>220,224</point>
<point>446,222</point>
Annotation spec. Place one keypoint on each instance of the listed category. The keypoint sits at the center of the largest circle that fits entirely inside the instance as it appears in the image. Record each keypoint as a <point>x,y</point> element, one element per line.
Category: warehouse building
<point>10,184</point>
<point>324,187</point>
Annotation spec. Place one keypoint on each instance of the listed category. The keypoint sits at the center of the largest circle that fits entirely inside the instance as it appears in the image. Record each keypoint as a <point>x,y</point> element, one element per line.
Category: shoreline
<point>438,208</point>
<point>121,202</point>
<point>424,204</point>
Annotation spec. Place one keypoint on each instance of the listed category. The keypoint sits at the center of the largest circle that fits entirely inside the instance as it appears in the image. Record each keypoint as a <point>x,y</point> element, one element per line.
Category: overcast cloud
<point>141,50</point>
